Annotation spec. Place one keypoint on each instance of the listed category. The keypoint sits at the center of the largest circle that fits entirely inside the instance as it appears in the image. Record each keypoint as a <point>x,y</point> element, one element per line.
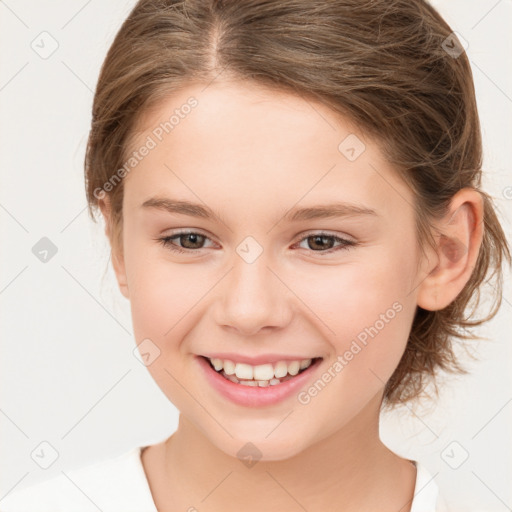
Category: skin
<point>252,154</point>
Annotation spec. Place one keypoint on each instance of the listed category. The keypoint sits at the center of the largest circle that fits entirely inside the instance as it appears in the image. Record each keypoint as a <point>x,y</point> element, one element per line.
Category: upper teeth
<point>262,371</point>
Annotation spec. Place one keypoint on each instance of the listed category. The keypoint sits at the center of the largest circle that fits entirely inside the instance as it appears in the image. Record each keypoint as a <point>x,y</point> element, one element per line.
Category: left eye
<point>319,240</point>
<point>322,241</point>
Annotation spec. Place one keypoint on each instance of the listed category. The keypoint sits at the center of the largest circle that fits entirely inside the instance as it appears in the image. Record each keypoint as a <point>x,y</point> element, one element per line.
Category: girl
<point>291,190</point>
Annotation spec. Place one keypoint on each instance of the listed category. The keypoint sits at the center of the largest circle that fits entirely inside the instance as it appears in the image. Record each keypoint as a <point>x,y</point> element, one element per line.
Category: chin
<point>274,442</point>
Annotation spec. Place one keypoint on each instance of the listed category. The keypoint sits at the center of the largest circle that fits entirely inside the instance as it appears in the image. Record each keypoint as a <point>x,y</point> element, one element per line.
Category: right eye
<point>186,237</point>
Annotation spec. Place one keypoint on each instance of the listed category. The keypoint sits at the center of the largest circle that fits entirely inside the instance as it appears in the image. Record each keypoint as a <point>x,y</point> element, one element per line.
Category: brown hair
<point>386,65</point>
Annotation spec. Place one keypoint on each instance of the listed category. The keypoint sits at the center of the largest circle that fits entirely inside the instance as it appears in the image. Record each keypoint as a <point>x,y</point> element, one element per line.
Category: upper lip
<point>257,360</point>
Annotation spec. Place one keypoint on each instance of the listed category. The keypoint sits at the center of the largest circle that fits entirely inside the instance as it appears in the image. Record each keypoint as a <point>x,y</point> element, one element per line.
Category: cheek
<point>163,301</point>
<point>163,305</point>
<point>365,308</point>
<point>160,291</point>
<point>368,317</point>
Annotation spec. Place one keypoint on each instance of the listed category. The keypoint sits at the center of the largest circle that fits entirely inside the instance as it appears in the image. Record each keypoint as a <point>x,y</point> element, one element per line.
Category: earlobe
<point>458,239</point>
<point>116,251</point>
<point>119,270</point>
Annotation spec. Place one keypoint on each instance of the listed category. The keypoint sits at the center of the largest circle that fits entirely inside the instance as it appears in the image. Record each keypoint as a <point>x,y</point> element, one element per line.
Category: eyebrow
<point>324,211</point>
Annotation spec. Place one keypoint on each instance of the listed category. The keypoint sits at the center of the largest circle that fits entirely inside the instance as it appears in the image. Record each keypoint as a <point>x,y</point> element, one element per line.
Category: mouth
<point>264,375</point>
<point>261,385</point>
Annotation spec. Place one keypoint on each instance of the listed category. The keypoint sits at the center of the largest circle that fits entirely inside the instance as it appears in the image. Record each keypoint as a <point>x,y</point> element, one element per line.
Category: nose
<point>253,298</point>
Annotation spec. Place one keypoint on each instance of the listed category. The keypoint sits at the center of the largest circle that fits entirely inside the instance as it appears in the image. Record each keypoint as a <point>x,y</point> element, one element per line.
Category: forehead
<point>239,143</point>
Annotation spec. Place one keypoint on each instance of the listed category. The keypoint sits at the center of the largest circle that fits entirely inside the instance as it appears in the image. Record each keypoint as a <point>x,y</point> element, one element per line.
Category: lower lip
<point>255,396</point>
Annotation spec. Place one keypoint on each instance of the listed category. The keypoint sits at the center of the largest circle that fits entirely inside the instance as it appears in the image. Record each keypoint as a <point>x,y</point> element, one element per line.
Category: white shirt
<point>120,485</point>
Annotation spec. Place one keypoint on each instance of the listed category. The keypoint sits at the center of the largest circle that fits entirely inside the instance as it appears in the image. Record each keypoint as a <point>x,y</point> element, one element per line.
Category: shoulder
<point>111,485</point>
<point>426,492</point>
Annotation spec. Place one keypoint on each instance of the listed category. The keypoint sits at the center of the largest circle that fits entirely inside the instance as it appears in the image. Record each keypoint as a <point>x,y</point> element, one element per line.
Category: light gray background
<point>69,376</point>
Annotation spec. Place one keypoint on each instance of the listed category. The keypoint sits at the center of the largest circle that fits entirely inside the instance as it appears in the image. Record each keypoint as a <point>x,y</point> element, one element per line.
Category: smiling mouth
<point>261,375</point>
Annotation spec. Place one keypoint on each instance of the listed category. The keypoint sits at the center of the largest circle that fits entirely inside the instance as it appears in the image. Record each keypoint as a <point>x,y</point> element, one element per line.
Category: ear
<point>458,239</point>
<point>116,251</point>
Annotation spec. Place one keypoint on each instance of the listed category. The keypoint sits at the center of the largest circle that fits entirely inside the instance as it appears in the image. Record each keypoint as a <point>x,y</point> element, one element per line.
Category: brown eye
<point>188,241</point>
<point>191,240</point>
<point>324,243</point>
<point>320,242</point>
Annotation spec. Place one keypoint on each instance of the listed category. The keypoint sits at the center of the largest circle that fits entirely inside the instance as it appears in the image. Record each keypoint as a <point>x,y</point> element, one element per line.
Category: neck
<point>350,467</point>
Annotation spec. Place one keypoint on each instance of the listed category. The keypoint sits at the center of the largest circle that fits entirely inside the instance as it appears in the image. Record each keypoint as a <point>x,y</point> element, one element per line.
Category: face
<point>264,275</point>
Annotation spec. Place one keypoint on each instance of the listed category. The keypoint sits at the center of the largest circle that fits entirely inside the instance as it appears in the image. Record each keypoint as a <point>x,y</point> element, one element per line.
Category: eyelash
<point>345,244</point>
